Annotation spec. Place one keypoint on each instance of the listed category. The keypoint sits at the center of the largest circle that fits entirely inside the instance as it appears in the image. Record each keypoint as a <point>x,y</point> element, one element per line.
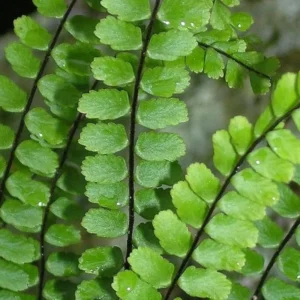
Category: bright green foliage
<point>151,267</point>
<point>62,235</point>
<point>154,146</point>
<point>52,9</point>
<point>22,60</point>
<point>59,289</point>
<point>66,209</point>
<point>102,261</point>
<point>112,71</point>
<point>241,21</point>
<point>289,263</point>
<point>195,61</point>
<point>6,137</point>
<point>205,283</point>
<point>31,33</point>
<point>118,34</point>
<point>214,64</point>
<point>254,263</point>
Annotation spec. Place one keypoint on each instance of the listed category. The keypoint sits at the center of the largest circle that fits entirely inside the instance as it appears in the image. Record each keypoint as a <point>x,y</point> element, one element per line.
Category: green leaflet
<point>75,59</point>
<point>46,127</point>
<point>281,141</point>
<point>112,71</point>
<point>12,98</point>
<point>270,234</point>
<point>171,44</point>
<point>17,277</point>
<point>108,104</point>
<point>225,156</point>
<point>31,33</point>
<point>231,231</point>
<point>195,61</point>
<point>210,185</point>
<point>173,234</point>
<point>241,21</point>
<point>52,9</point>
<point>66,209</point>
<point>165,81</point>
<point>22,60</point>
<point>205,283</point>
<point>263,122</point>
<point>259,84</point>
<point>156,173</point>
<point>7,136</point>
<point>5,294</point>
<point>63,264</point>
<point>185,14</point>
<point>128,10</point>
<point>276,289</point>
<point>190,208</point>
<point>214,255</point>
<point>82,29</point>
<point>118,34</point>
<point>111,195</point>
<point>59,290</point>
<point>61,235</point>
<point>129,287</point>
<point>151,267</point>
<point>266,163</point>
<point>214,64</point>
<point>160,113</point>
<point>104,168</point>
<point>91,289</point>
<point>18,248</point>
<point>104,138</point>
<point>105,223</point>
<point>102,261</point>
<point>289,263</point>
<point>254,263</point>
<point>234,74</point>
<point>247,180</point>
<point>29,191</point>
<point>157,146</point>
<point>40,160</point>
<point>149,202</point>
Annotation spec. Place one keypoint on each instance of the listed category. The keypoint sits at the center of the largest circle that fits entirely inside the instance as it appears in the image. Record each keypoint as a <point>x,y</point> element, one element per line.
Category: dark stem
<point>236,60</point>
<point>62,161</point>
<point>30,100</point>
<point>132,128</point>
<point>219,196</point>
<point>274,258</point>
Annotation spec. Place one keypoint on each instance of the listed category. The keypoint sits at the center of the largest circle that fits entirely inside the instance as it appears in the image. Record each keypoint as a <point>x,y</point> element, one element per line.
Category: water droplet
<point>257,162</point>
<point>40,204</point>
<point>182,23</point>
<point>166,22</point>
<point>192,24</point>
<point>128,289</point>
<point>118,204</point>
<point>40,135</point>
<point>239,25</point>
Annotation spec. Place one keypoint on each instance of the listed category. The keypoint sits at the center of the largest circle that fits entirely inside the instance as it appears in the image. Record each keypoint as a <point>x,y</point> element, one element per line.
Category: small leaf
<point>151,267</point>
<point>220,16</point>
<point>234,74</point>
<point>157,146</point>
<point>190,208</point>
<point>128,10</point>
<point>104,168</point>
<point>282,141</point>
<point>289,263</point>
<point>247,181</point>
<point>156,173</point>
<point>241,134</point>
<point>205,283</point>
<point>213,255</point>
<point>61,235</point>
<point>269,233</point>
<point>108,104</point>
<point>7,137</point>
<point>12,98</point>
<point>254,263</point>
<point>31,33</point>
<point>266,163</point>
<point>66,209</point>
<point>102,261</point>
<point>96,288</point>
<point>5,294</point>
<point>214,64</point>
<point>264,122</point>
<point>171,44</point>
<point>40,160</point>
<point>105,223</point>
<point>22,60</point>
<point>195,61</point>
<point>241,21</point>
<point>119,35</point>
<point>173,234</point>
<point>239,292</point>
<point>225,156</point>
<point>76,58</point>
<point>104,138</point>
<point>237,206</point>
<point>112,71</point>
<point>82,29</point>
<point>231,231</point>
<point>165,81</point>
<point>276,289</point>
<point>203,182</point>
<point>63,264</point>
<point>51,9</point>
<point>160,113</point>
<point>59,290</point>
<point>260,84</point>
<point>18,248</point>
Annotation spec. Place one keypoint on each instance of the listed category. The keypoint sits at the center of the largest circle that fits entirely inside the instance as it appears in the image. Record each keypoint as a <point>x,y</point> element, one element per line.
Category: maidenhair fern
<point>93,200</point>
